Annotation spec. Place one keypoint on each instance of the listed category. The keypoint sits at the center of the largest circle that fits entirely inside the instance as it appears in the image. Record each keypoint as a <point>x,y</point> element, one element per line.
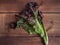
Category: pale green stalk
<point>41,29</point>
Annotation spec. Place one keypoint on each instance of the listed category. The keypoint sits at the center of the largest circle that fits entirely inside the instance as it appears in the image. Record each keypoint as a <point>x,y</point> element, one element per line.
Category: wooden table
<point>51,12</point>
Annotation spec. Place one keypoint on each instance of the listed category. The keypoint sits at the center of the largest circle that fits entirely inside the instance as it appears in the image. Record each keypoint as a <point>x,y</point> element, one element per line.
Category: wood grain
<point>51,22</point>
<point>17,5</point>
<point>27,40</point>
<point>18,36</point>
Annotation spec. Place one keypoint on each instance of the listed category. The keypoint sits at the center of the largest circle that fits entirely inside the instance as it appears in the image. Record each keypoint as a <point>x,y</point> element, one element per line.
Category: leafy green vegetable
<point>32,23</point>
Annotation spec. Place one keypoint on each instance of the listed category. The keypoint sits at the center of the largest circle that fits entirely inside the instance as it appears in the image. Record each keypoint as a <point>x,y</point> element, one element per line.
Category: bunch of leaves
<point>31,20</point>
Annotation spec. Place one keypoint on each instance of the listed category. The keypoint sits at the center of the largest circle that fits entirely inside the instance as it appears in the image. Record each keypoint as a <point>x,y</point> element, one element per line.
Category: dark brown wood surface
<point>18,36</point>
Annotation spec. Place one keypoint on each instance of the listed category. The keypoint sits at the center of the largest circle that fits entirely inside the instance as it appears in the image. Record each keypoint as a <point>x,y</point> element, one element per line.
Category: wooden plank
<point>1,20</point>
<point>8,7</point>
<point>50,6</point>
<point>17,5</point>
<point>55,18</point>
<point>7,1</point>
<point>13,5</point>
<point>51,22</point>
<point>2,25</point>
<point>27,41</point>
<point>4,20</point>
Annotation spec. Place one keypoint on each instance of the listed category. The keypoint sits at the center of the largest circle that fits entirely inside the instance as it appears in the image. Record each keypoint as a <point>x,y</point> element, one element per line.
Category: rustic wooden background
<point>51,12</point>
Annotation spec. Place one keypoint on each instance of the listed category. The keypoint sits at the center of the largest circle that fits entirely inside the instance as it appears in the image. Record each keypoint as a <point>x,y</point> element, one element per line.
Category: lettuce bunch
<point>30,18</point>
